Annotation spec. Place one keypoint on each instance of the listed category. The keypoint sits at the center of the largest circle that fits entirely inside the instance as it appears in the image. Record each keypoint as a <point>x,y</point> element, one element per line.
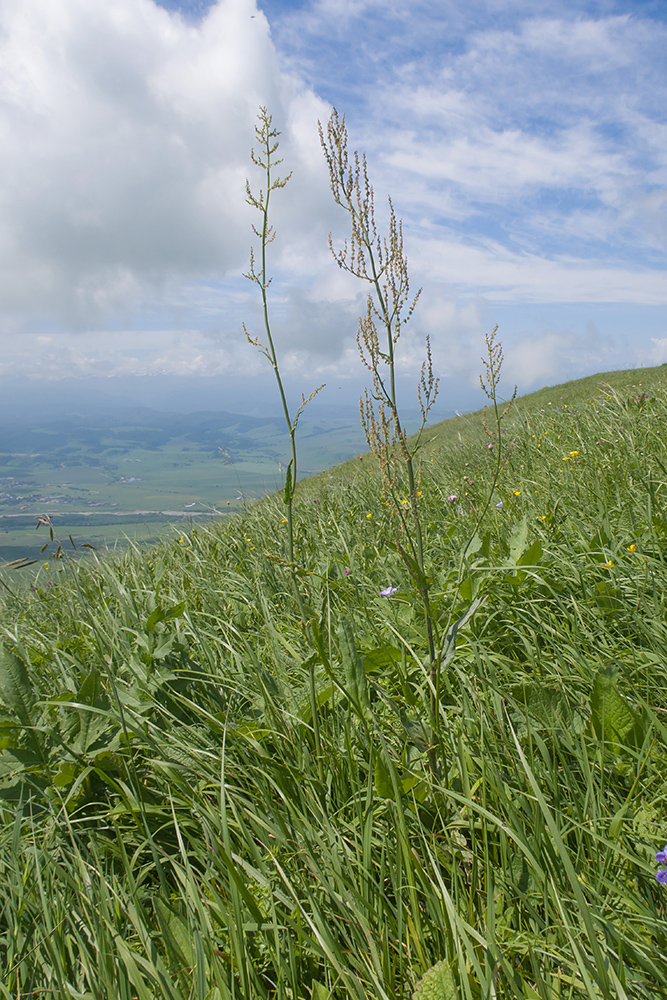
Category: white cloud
<point>124,147</point>
<point>524,277</point>
<point>657,355</point>
<point>527,155</point>
<point>556,356</point>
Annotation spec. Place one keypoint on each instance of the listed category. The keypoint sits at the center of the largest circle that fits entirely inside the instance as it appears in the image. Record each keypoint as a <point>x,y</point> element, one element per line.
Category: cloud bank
<point>124,145</point>
<point>526,153</point>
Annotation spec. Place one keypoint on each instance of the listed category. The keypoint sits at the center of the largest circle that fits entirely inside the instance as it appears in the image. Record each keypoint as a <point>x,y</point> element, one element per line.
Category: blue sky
<point>524,146</point>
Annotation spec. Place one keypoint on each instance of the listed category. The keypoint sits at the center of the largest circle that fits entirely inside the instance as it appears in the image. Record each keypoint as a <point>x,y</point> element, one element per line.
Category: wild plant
<point>267,139</point>
<point>489,382</point>
<point>381,262</point>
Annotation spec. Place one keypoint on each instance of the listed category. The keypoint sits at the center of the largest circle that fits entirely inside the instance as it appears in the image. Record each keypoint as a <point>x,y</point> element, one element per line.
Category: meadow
<point>228,775</point>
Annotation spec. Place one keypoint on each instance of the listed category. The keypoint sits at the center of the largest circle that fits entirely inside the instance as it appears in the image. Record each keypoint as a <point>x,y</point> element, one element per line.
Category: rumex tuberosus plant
<point>381,262</point>
<point>264,158</point>
<point>489,382</point>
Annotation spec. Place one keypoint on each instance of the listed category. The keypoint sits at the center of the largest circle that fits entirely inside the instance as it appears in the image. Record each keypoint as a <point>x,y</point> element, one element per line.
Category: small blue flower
<point>392,590</point>
<point>661,856</point>
<point>661,876</point>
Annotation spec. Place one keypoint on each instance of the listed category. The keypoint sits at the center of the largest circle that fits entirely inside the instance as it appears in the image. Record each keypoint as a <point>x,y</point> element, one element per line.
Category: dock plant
<point>264,158</point>
<point>380,262</point>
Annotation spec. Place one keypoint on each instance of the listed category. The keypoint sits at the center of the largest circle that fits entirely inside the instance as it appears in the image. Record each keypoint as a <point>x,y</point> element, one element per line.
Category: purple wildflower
<point>661,856</point>
<point>661,876</point>
<point>499,504</point>
<point>452,498</point>
<point>347,572</point>
<point>392,590</point>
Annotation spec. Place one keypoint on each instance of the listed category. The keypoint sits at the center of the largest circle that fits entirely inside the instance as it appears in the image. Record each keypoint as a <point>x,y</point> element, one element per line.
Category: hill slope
<point>222,778</point>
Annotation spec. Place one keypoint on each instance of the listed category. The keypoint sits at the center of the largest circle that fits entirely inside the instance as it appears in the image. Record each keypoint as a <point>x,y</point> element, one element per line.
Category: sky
<point>523,144</point>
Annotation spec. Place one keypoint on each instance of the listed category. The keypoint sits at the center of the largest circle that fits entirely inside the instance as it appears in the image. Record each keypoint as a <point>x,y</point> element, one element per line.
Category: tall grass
<point>201,798</point>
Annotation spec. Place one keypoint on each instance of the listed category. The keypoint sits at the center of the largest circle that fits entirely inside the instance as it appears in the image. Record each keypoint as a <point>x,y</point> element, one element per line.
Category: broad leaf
<point>16,691</point>
<point>614,719</point>
<point>383,783</point>
<point>518,540</point>
<point>355,674</point>
<point>532,555</point>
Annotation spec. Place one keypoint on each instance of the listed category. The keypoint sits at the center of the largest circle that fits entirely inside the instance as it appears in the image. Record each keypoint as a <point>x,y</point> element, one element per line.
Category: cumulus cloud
<point>657,355</point>
<point>527,155</point>
<point>124,141</point>
<point>556,356</point>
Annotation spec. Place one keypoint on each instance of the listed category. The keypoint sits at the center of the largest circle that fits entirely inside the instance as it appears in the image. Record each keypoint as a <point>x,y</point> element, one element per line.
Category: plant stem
<point>267,138</point>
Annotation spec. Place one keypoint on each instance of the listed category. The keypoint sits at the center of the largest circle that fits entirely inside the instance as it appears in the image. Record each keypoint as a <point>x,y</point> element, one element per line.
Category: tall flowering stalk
<point>380,262</point>
<point>267,139</point>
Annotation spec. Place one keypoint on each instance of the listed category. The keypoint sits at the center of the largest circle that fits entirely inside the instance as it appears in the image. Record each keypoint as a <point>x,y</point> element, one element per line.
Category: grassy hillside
<point>216,783</point>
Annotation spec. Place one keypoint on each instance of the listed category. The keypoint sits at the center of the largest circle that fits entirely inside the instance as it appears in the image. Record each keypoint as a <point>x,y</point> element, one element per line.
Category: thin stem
<point>267,137</point>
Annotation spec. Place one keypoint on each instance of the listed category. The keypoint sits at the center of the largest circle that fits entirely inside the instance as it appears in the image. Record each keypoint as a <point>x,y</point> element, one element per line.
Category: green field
<point>225,776</point>
<point>103,480</point>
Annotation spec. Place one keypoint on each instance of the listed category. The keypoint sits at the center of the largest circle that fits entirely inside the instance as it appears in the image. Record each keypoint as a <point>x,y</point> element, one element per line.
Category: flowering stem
<point>267,138</point>
<point>382,263</point>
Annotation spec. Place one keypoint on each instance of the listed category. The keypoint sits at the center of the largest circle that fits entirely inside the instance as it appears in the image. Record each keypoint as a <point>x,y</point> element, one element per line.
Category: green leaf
<point>449,644</point>
<point>357,685</point>
<point>155,617</point>
<point>437,983</point>
<point>614,719</point>
<point>109,763</point>
<point>532,555</point>
<point>479,544</point>
<point>164,616</point>
<point>174,612</point>
<point>608,597</point>
<point>474,545</point>
<point>382,656</point>
<point>16,691</point>
<point>383,783</point>
<point>518,540</point>
<point>8,724</point>
<point>420,579</point>
<point>288,492</point>
<point>319,992</point>
<point>175,934</point>
<point>520,876</point>
<point>164,648</point>
<point>67,773</point>
<point>543,702</point>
